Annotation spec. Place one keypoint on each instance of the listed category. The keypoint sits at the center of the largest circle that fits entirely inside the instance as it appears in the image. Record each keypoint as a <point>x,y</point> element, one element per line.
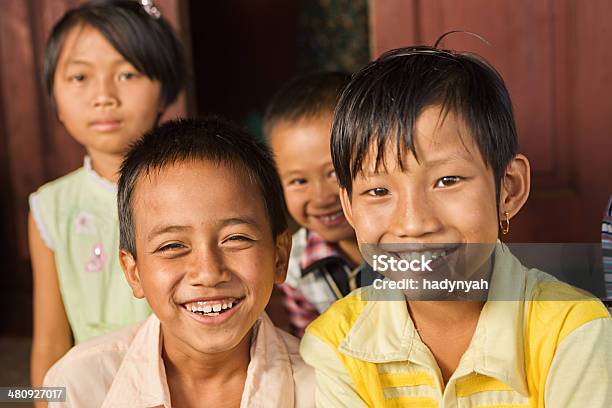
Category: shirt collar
<point>316,249</point>
<point>384,331</point>
<point>269,376</point>
<point>141,379</point>
<point>96,178</point>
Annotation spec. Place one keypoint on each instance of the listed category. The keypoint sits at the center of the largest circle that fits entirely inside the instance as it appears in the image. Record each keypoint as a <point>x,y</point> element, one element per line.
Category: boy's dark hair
<point>211,139</point>
<point>305,97</point>
<point>383,101</point>
<point>148,43</point>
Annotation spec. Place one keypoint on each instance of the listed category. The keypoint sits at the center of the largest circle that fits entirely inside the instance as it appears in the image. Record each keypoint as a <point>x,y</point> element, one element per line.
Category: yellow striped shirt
<point>534,353</point>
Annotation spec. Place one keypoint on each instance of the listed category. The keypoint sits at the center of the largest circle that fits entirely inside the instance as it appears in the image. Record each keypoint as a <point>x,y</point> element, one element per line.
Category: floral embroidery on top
<point>84,223</point>
<point>97,260</point>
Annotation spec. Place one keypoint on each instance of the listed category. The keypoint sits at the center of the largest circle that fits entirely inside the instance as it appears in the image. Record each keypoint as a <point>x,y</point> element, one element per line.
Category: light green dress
<point>76,216</point>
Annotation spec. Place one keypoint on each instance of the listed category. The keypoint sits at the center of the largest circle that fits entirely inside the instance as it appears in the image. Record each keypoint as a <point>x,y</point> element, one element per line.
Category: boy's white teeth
<point>331,217</point>
<point>210,309</point>
<point>410,256</point>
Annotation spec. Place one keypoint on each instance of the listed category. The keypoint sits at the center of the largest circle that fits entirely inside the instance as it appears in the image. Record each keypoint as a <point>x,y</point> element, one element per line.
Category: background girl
<point>111,69</point>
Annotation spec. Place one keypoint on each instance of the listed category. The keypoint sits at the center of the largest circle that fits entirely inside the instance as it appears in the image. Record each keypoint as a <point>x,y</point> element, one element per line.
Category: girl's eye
<point>125,76</point>
<point>297,182</point>
<point>77,78</point>
<point>332,174</point>
<point>378,192</point>
<point>448,181</point>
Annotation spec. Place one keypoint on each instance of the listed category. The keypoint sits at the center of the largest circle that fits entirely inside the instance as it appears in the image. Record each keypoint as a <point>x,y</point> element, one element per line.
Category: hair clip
<point>150,8</point>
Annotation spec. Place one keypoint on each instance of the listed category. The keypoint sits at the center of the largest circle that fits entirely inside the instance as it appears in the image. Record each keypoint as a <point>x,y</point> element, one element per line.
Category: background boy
<point>325,261</point>
<point>203,239</point>
<point>425,148</point>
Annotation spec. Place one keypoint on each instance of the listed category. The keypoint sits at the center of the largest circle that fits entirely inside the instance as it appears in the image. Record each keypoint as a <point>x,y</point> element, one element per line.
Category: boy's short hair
<point>382,102</point>
<point>305,97</point>
<point>211,139</point>
<point>148,43</point>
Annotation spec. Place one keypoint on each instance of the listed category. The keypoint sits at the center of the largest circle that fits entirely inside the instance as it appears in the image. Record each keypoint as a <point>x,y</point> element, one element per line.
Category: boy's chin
<point>206,338</point>
<point>217,341</point>
<point>220,344</point>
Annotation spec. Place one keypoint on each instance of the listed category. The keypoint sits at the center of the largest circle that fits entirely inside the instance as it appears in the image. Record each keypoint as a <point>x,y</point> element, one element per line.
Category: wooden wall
<point>553,55</point>
<point>557,64</point>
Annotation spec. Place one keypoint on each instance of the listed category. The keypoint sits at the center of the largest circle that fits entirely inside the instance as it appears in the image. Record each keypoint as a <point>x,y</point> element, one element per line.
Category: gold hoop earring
<point>504,223</point>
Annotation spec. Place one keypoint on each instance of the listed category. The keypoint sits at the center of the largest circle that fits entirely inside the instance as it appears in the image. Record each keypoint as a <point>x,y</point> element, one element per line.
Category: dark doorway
<point>243,51</point>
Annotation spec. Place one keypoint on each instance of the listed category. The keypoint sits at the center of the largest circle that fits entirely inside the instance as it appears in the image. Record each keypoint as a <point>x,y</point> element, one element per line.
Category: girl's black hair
<point>382,102</point>
<point>146,42</point>
<point>210,139</point>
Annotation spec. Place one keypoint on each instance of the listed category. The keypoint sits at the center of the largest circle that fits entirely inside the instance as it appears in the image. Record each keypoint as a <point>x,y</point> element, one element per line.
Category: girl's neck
<point>106,165</point>
<point>350,248</point>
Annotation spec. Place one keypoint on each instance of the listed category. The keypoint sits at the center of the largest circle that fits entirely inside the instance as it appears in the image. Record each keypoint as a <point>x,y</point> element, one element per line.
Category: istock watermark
<point>384,263</point>
<point>476,271</point>
<point>447,285</point>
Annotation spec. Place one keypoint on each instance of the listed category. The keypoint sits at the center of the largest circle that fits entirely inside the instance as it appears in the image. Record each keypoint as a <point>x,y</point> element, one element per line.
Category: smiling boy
<point>203,239</point>
<point>325,264</point>
<point>424,145</point>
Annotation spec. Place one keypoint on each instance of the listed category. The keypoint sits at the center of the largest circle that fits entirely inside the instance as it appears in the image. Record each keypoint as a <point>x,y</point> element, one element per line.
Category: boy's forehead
<point>164,175</point>
<point>437,138</point>
<point>321,121</point>
<point>182,179</point>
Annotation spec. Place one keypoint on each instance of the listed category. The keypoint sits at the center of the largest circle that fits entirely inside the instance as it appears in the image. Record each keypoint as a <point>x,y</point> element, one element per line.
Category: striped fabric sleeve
<point>301,312</point>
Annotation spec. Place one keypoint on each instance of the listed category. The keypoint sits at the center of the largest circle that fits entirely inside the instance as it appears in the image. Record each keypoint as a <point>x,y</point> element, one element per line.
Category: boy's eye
<point>448,181</point>
<point>125,76</point>
<point>239,238</point>
<point>238,242</point>
<point>297,182</point>
<point>378,192</point>
<point>173,246</point>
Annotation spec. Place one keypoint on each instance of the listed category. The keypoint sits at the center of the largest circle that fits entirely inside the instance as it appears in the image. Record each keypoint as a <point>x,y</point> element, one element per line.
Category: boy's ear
<point>345,201</point>
<point>130,270</point>
<point>515,186</point>
<point>283,250</point>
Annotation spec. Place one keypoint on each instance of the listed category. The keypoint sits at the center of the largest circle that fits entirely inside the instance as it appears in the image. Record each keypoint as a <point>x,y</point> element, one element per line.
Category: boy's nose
<point>207,268</point>
<point>322,194</point>
<point>414,216</point>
